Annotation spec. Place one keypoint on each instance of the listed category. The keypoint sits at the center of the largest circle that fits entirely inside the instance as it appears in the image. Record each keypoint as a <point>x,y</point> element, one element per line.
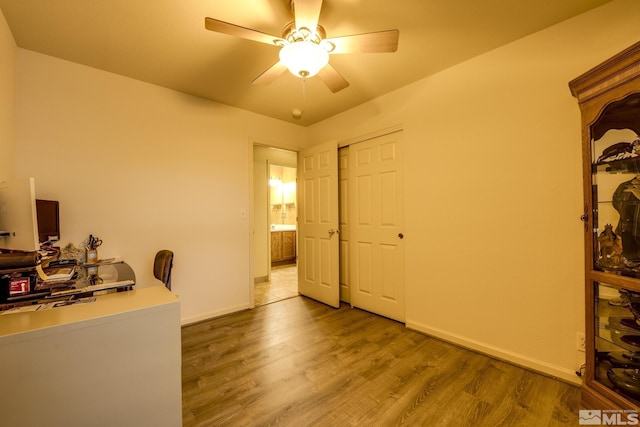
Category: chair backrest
<point>162,267</point>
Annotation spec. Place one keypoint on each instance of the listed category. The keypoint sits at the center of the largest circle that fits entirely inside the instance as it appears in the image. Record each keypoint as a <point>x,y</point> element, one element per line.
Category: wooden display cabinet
<point>609,100</point>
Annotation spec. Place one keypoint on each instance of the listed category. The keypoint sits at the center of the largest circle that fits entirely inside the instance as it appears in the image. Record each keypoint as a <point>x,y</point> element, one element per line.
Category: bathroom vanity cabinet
<point>283,247</point>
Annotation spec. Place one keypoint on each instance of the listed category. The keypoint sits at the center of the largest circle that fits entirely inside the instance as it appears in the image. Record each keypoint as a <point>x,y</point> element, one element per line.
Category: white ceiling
<point>164,42</point>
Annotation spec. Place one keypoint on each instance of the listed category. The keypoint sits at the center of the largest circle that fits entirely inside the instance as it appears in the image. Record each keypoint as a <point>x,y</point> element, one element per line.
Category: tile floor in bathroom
<point>283,285</point>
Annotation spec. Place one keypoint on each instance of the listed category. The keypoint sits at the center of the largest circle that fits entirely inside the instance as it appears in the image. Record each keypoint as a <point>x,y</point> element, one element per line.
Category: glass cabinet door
<point>615,154</point>
<point>617,342</point>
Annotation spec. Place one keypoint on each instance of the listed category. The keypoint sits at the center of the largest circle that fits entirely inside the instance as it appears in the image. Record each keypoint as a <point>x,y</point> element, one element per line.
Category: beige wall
<point>493,190</point>
<point>146,168</point>
<point>7,100</point>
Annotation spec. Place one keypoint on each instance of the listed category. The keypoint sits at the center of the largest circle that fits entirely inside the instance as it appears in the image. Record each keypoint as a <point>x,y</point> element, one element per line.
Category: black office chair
<point>162,267</point>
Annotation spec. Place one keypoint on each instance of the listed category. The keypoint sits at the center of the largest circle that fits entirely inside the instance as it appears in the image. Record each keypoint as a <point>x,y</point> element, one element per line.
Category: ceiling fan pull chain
<point>304,90</point>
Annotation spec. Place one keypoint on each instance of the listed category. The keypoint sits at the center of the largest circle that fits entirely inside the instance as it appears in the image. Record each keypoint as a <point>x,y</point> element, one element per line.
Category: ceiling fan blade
<point>218,26</point>
<point>334,81</point>
<point>376,42</point>
<point>307,13</point>
<point>270,74</point>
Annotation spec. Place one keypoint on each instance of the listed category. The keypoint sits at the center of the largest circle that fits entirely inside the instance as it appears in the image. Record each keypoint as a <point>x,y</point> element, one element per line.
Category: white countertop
<point>283,227</point>
<point>15,324</point>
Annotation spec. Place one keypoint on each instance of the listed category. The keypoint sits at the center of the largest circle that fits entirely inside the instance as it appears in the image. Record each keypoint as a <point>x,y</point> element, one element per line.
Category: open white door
<point>318,242</point>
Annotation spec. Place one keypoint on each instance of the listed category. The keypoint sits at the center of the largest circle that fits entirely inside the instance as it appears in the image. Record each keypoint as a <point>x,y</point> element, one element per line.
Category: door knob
<point>401,236</point>
<point>333,231</point>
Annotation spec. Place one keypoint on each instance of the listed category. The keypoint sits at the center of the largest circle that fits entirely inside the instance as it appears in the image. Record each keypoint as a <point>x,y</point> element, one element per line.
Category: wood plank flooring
<point>300,363</point>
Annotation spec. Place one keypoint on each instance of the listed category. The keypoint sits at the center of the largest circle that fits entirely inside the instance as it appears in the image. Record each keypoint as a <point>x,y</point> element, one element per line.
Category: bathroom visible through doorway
<point>275,224</point>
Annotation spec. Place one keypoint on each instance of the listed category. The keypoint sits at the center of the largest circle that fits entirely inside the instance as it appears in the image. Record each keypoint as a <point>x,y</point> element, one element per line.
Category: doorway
<point>367,227</point>
<point>275,225</point>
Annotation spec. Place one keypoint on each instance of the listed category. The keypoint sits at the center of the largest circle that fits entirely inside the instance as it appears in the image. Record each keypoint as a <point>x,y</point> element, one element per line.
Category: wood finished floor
<point>297,362</point>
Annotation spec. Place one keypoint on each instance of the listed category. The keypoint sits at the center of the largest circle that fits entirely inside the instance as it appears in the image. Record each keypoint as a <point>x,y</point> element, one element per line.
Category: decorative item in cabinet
<point>609,100</point>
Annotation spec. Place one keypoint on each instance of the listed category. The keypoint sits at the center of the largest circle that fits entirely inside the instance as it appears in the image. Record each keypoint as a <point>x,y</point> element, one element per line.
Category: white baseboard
<point>545,368</point>
<point>200,318</point>
<point>260,279</point>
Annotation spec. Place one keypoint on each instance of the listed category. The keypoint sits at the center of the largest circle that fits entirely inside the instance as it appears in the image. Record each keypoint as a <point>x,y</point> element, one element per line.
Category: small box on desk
<point>17,283</point>
<point>18,275</point>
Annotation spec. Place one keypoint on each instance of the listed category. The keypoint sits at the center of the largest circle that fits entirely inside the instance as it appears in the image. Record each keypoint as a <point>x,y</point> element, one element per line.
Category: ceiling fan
<point>304,48</point>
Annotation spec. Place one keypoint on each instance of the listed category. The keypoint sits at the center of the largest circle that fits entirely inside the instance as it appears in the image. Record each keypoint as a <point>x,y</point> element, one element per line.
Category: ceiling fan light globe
<point>304,59</point>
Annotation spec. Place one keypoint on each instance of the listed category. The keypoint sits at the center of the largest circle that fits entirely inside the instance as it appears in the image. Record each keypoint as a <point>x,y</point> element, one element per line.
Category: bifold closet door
<point>376,221</point>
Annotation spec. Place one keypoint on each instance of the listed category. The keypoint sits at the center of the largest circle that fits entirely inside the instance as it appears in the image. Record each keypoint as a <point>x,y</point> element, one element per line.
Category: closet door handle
<point>401,236</point>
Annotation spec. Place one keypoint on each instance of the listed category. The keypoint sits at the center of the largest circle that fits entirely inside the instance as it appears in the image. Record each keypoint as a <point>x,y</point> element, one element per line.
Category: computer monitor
<point>18,221</point>
<point>48,213</point>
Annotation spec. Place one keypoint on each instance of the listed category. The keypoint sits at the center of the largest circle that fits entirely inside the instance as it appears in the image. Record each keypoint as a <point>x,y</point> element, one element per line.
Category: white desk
<point>116,361</point>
